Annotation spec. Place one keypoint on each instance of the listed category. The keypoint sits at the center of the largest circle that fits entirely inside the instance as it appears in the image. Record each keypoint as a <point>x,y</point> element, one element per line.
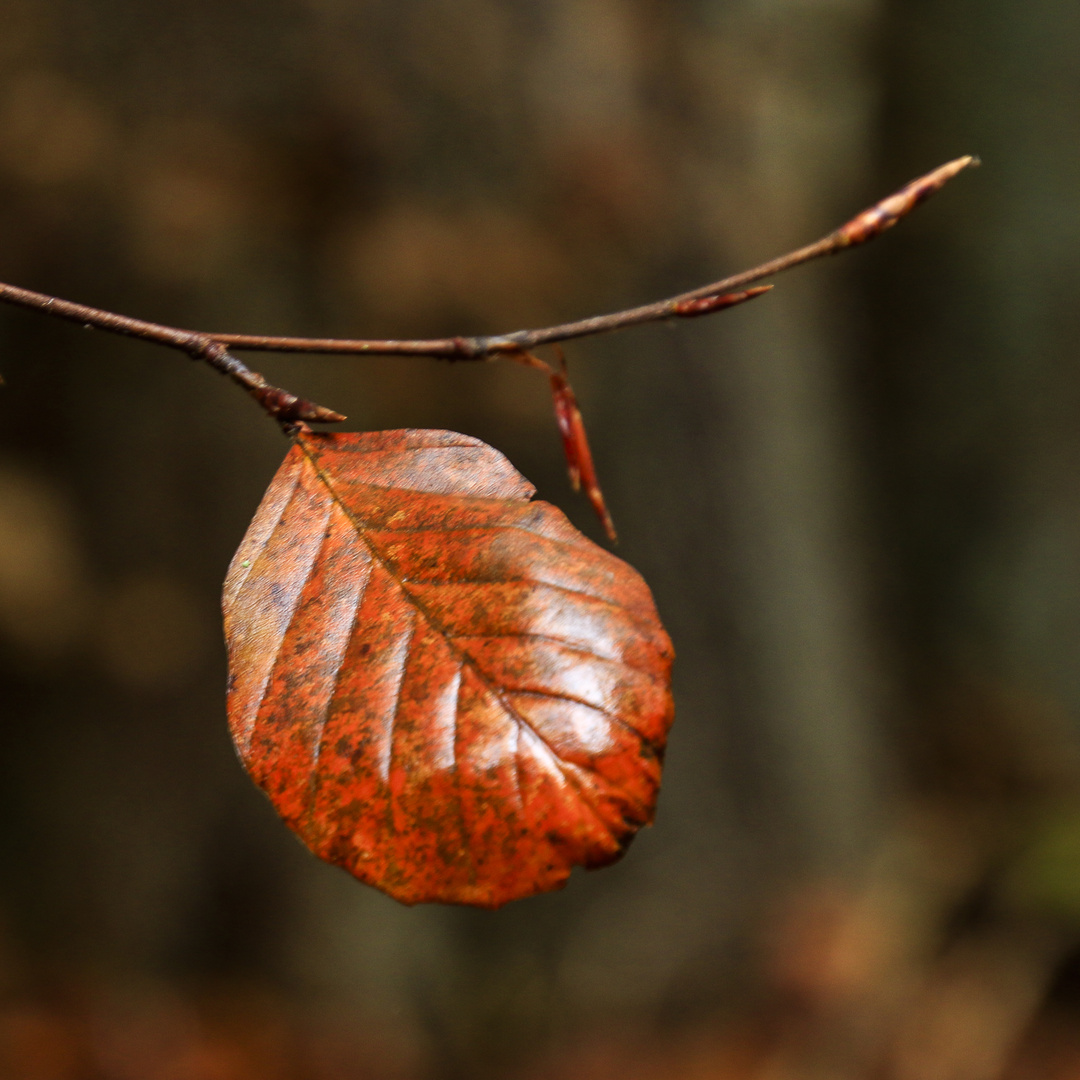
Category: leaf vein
<point>615,719</point>
<point>570,646</point>
<point>284,637</point>
<point>313,779</point>
<point>569,772</point>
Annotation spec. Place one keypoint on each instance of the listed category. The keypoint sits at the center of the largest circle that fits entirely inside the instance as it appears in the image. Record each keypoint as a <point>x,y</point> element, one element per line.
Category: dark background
<point>857,502</point>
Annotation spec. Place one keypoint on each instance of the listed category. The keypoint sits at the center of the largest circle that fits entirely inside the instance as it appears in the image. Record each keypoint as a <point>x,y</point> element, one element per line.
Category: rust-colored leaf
<point>441,685</point>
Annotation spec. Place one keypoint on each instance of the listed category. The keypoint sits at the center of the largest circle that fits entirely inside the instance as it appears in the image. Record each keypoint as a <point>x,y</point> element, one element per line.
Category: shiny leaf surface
<point>441,685</point>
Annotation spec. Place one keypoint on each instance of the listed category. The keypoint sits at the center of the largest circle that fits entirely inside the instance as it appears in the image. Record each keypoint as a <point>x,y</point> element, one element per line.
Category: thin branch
<point>861,228</point>
<point>290,409</point>
<point>280,404</point>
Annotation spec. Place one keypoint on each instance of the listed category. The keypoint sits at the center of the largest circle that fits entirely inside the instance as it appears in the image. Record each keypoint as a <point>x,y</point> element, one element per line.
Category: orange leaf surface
<point>441,685</point>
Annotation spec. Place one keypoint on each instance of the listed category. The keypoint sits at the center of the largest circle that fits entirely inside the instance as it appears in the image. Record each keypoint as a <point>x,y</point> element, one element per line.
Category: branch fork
<point>290,410</point>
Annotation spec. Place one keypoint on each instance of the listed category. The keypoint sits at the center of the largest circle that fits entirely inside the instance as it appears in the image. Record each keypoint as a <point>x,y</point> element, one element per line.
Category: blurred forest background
<point>857,502</point>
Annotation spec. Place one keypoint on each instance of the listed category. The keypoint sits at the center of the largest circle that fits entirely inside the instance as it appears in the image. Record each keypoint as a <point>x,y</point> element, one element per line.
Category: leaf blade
<point>467,697</point>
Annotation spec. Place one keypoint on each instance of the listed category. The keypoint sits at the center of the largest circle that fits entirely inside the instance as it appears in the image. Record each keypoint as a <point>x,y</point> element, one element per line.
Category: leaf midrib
<point>465,659</point>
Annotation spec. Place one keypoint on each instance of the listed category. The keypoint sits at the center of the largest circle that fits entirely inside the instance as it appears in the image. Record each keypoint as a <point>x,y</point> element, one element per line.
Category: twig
<point>865,226</point>
<point>290,409</point>
<point>280,404</point>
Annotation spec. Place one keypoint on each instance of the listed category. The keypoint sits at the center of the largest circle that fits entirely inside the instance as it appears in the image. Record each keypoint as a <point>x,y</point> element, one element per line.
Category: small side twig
<point>289,409</point>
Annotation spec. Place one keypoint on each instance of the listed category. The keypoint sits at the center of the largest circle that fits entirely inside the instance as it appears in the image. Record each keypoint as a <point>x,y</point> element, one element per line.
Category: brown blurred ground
<point>857,502</point>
